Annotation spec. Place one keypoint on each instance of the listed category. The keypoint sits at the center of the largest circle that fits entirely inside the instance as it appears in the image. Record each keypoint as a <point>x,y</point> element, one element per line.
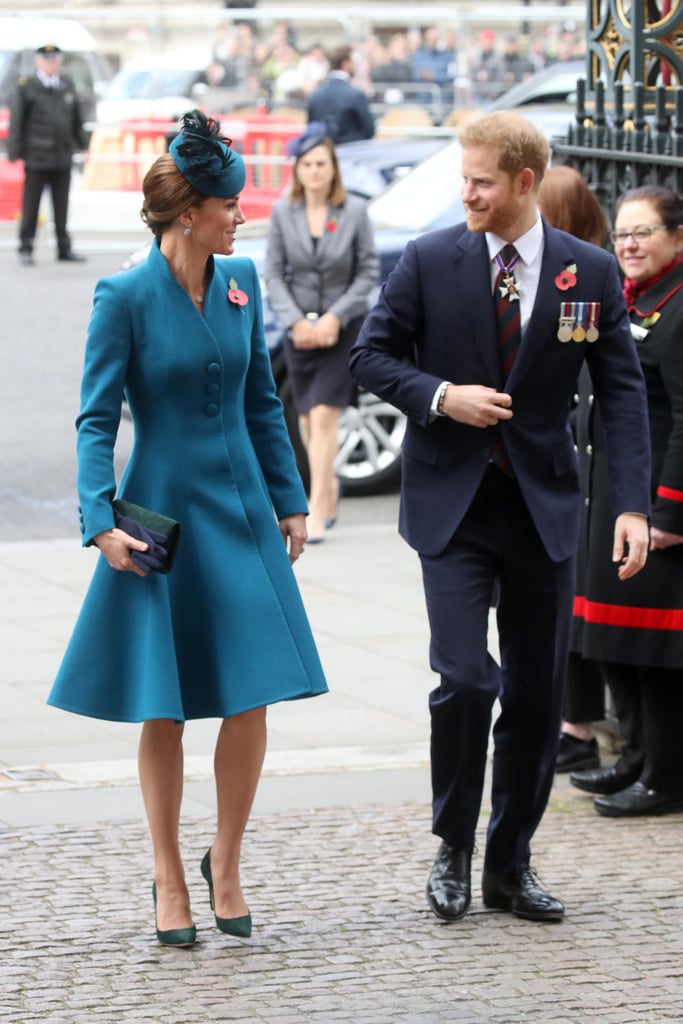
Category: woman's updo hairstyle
<point>167,194</point>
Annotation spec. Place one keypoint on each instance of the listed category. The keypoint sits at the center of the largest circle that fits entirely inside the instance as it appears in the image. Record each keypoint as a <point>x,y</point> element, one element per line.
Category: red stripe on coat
<point>670,493</point>
<point>621,615</point>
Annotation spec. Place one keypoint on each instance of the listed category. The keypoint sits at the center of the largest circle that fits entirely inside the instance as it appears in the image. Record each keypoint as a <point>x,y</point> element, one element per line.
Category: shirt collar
<point>527,245</point>
<point>50,81</point>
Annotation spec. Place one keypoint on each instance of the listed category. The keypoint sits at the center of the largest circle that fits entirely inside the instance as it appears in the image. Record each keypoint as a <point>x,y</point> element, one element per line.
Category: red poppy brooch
<point>331,225</point>
<point>566,279</point>
<point>235,293</point>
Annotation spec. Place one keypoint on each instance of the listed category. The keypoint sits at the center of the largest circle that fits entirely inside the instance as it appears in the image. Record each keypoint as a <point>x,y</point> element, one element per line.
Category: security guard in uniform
<point>45,130</point>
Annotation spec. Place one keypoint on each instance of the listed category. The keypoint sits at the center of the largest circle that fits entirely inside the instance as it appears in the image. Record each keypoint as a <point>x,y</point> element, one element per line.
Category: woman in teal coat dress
<point>225,633</point>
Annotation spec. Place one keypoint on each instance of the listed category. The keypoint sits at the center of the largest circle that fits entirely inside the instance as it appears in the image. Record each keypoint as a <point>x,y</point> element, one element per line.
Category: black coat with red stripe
<point>638,621</point>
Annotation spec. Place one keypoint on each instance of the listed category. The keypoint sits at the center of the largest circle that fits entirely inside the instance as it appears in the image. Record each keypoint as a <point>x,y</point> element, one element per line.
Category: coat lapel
<point>300,227</point>
<point>557,254</point>
<point>472,266</point>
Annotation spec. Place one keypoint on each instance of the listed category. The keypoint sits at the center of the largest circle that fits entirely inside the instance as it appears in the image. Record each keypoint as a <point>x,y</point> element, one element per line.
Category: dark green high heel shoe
<point>180,937</point>
<point>239,926</point>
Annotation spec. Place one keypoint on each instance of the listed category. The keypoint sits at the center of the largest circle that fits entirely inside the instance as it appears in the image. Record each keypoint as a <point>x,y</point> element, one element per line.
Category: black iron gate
<point>628,128</point>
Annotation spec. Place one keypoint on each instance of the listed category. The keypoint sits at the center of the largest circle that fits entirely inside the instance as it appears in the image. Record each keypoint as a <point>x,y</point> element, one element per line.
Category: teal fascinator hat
<point>204,158</point>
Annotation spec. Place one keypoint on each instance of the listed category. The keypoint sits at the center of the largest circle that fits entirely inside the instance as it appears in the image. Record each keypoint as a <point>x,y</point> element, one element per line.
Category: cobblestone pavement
<point>342,932</point>
<point>341,927</point>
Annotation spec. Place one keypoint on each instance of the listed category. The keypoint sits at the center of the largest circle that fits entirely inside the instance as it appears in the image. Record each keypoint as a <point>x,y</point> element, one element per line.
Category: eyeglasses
<point>641,233</point>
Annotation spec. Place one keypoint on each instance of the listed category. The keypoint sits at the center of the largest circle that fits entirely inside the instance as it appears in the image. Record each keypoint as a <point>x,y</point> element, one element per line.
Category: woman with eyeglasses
<point>635,628</point>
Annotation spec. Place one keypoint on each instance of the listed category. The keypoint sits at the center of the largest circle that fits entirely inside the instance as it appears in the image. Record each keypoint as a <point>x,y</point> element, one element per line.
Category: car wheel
<point>370,436</point>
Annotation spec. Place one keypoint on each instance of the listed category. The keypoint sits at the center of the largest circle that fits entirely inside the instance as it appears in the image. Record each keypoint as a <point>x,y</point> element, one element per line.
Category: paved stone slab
<point>341,927</point>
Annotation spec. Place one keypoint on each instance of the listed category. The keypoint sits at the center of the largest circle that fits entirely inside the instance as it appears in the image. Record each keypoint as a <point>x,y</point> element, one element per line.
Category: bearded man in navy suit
<point>490,492</point>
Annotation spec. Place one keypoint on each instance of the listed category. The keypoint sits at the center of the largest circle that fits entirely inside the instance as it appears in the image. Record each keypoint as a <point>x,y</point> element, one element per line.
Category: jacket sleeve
<point>281,299</point>
<point>620,391</point>
<point>107,353</point>
<point>382,360</point>
<point>266,423</point>
<point>667,511</point>
<point>354,300</point>
<point>366,122</point>
<point>15,137</point>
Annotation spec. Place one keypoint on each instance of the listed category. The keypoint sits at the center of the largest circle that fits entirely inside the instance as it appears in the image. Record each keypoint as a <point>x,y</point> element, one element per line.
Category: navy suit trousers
<point>496,554</point>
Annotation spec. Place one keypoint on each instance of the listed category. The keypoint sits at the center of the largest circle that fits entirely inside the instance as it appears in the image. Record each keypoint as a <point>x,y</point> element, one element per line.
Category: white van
<point>21,35</point>
<point>156,86</point>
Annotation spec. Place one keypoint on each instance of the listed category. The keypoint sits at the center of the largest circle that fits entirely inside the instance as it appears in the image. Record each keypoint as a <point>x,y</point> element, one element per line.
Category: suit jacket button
<point>213,387</point>
<point>211,409</point>
<point>589,449</point>
<point>213,369</point>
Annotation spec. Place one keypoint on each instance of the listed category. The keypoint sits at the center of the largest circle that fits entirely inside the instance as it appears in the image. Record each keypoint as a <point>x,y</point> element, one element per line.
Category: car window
<point>427,197</point>
<point>148,83</point>
<point>5,61</point>
<point>9,72</point>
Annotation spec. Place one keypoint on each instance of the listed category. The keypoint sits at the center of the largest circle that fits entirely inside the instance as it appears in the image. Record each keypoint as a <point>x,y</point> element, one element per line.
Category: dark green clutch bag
<point>160,532</point>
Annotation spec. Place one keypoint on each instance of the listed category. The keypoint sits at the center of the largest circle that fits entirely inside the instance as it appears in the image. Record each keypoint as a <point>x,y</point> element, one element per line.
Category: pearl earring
<point>188,230</point>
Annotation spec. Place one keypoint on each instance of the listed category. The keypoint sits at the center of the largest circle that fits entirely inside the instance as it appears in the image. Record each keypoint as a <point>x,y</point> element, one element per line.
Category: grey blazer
<point>337,277</point>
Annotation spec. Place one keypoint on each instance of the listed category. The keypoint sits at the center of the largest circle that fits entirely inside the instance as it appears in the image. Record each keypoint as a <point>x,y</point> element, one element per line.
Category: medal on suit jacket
<point>509,286</point>
<point>592,332</point>
<point>579,321</point>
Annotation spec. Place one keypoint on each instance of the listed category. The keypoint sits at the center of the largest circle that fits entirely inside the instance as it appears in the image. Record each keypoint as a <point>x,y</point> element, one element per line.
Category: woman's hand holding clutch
<point>116,545</point>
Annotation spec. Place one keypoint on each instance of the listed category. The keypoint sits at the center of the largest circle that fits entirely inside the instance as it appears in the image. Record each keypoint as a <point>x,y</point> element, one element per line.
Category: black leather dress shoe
<point>448,888</point>
<point>603,780</point>
<point>26,259</point>
<point>524,896</point>
<point>70,257</point>
<point>574,754</point>
<point>638,799</point>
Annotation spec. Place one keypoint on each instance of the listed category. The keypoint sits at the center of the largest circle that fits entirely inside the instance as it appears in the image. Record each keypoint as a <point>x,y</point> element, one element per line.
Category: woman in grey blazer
<point>321,266</point>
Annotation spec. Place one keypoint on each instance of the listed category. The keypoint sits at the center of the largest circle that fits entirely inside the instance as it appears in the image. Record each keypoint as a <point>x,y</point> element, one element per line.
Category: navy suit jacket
<point>343,108</point>
<point>435,321</point>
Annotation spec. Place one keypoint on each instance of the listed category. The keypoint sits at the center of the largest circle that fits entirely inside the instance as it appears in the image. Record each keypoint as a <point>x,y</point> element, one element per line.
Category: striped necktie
<point>509,326</point>
<point>508,318</point>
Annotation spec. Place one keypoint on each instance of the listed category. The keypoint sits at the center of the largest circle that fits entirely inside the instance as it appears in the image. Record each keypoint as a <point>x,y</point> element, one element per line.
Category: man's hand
<point>631,540</point>
<point>476,405</point>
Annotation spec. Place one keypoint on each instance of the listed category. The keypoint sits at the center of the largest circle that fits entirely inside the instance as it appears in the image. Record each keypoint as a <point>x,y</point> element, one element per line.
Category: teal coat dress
<point>225,631</point>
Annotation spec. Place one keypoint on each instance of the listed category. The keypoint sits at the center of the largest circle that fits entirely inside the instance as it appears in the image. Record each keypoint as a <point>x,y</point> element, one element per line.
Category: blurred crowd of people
<point>428,66</point>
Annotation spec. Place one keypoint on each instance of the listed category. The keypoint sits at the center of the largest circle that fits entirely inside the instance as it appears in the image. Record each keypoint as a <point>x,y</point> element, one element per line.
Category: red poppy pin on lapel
<point>566,279</point>
<point>236,295</point>
<point>331,225</point>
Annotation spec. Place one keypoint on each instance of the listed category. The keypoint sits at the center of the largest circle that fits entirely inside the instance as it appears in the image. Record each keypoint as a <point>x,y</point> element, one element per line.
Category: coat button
<point>586,502</point>
<point>211,409</point>
<point>82,528</point>
<point>576,398</point>
<point>213,387</point>
<point>589,449</point>
<point>591,399</point>
<point>213,369</point>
